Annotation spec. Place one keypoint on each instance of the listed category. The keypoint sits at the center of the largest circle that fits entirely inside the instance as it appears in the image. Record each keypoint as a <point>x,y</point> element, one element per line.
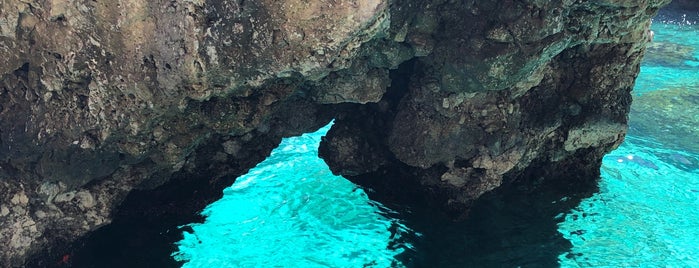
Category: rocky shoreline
<point>100,101</point>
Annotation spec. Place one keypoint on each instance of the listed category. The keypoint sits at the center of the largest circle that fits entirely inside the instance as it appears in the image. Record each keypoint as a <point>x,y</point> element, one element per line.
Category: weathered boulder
<point>102,98</point>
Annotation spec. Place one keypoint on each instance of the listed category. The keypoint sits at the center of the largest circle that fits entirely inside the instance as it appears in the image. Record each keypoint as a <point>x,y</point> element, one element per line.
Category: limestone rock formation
<point>100,99</point>
<point>511,91</point>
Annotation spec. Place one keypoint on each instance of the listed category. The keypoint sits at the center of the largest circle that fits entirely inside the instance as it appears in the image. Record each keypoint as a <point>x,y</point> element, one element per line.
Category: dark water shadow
<point>145,227</point>
<point>680,13</point>
<point>127,243</point>
<point>142,235</point>
<point>512,226</point>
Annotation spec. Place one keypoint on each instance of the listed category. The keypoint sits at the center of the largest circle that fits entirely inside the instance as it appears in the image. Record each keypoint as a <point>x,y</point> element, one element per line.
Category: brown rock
<point>104,99</point>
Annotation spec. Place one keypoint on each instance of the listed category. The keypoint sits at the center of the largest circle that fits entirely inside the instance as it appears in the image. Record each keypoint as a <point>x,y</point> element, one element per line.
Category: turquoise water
<point>290,211</point>
<point>646,213</point>
<point>674,34</point>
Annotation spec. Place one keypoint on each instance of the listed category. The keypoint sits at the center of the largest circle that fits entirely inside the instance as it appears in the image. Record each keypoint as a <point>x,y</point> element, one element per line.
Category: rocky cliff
<point>100,100</point>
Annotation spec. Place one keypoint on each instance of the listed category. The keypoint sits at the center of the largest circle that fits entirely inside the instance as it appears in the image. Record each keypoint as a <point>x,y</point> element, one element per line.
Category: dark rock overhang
<point>171,100</point>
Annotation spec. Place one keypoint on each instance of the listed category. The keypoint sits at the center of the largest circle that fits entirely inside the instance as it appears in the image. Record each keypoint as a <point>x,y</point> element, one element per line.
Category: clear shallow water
<point>290,211</point>
<point>675,62</point>
<point>646,213</point>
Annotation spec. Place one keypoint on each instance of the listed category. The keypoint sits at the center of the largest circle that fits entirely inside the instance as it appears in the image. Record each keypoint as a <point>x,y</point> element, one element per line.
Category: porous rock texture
<point>509,92</point>
<point>103,98</point>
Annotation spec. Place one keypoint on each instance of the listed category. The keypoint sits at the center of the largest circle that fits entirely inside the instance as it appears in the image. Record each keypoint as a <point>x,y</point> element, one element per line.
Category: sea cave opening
<point>291,211</point>
<point>643,213</point>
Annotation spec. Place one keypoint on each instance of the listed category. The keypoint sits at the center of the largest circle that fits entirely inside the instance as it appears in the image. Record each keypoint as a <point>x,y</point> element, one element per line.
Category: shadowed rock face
<point>101,99</point>
<point>508,89</point>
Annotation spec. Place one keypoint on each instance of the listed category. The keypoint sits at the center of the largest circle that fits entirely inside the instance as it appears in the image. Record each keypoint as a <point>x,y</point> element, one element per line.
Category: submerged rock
<point>653,111</point>
<point>168,101</point>
<point>669,55</point>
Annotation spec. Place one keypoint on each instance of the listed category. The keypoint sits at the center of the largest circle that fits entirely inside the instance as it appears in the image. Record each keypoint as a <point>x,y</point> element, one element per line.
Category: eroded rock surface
<point>101,98</point>
<point>511,91</point>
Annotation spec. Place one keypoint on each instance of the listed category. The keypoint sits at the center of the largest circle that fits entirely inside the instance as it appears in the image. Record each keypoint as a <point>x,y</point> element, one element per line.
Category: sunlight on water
<point>672,58</point>
<point>291,211</point>
<point>645,214</point>
<point>647,211</point>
